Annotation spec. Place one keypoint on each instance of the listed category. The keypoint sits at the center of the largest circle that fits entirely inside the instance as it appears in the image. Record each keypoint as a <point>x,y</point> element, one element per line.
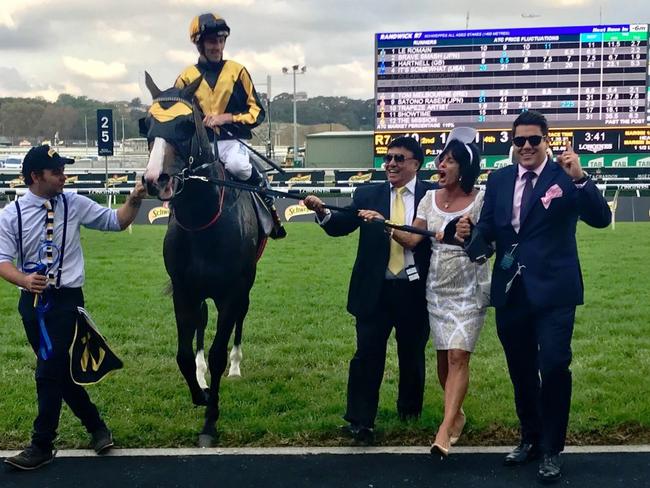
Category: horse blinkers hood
<point>167,106</point>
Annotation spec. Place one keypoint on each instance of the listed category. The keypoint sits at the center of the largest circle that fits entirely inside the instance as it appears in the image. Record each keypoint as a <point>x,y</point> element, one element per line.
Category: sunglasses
<point>399,158</point>
<point>520,141</point>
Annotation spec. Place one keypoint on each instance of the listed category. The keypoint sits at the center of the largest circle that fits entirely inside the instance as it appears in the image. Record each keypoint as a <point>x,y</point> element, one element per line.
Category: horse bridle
<point>186,174</point>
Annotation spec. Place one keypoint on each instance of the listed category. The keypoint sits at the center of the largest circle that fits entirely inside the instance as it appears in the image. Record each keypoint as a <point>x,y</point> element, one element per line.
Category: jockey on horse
<point>229,101</point>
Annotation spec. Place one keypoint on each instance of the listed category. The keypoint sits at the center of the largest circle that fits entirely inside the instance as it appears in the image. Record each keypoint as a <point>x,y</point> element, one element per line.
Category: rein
<point>300,195</point>
<point>188,174</point>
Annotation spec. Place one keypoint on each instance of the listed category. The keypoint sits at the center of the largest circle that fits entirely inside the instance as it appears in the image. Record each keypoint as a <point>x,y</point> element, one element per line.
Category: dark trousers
<point>537,345</point>
<point>402,305</point>
<point>53,381</point>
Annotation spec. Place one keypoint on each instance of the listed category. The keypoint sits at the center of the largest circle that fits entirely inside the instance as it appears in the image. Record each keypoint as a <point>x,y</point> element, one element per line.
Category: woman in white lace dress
<point>457,289</point>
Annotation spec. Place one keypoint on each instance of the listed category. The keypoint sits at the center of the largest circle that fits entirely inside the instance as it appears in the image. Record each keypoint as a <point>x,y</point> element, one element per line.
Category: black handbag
<point>477,248</point>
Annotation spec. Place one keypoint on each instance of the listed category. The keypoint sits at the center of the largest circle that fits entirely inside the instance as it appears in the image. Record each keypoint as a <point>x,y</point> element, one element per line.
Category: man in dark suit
<point>531,210</point>
<point>387,289</point>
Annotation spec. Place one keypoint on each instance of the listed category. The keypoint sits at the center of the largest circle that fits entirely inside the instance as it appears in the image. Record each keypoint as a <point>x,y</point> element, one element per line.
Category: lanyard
<point>62,249</point>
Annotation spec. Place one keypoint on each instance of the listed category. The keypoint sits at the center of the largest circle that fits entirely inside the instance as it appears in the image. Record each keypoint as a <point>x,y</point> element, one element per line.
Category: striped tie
<point>397,216</point>
<point>49,241</point>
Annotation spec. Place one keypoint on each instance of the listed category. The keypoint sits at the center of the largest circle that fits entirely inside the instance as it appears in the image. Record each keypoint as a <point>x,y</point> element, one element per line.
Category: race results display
<point>591,82</point>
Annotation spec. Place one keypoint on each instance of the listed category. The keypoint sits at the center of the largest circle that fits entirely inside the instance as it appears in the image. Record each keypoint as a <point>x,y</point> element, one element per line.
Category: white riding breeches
<point>236,159</point>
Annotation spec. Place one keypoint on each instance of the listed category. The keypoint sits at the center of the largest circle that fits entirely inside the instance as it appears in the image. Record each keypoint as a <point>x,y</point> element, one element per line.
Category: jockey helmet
<point>207,24</point>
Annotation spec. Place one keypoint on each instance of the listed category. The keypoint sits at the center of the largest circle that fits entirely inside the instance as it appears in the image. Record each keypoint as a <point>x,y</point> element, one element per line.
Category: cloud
<point>49,92</point>
<point>11,79</point>
<point>130,36</point>
<point>338,78</point>
<point>209,5</point>
<point>95,70</point>
<point>26,38</point>
<point>15,84</point>
<point>118,91</point>
<point>121,37</point>
<point>182,57</point>
<point>108,45</point>
<point>568,3</point>
<point>271,60</point>
<point>12,7</point>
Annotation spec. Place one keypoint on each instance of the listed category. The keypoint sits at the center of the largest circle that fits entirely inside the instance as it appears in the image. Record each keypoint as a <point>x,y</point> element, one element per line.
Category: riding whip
<point>299,195</point>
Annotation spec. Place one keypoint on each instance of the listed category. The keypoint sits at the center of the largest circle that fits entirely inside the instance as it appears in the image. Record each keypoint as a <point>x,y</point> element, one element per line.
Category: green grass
<point>298,340</point>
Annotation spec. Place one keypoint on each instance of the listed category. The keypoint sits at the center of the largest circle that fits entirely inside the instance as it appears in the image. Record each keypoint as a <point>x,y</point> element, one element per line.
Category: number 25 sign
<point>105,132</point>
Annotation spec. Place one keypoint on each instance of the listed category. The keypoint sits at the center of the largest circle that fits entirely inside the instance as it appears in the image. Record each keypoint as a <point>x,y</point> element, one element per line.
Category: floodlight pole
<point>295,70</point>
<point>295,120</point>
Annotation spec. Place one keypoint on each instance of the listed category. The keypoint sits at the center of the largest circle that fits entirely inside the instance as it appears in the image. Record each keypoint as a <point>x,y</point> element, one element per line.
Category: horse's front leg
<point>236,351</point>
<point>189,315</point>
<point>217,360</point>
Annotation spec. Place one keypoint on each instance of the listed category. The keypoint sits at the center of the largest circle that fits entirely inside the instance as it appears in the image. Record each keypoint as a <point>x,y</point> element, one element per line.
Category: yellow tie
<point>397,215</point>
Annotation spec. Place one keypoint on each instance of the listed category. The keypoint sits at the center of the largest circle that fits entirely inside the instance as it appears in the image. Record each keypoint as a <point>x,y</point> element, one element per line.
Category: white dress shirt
<point>81,211</point>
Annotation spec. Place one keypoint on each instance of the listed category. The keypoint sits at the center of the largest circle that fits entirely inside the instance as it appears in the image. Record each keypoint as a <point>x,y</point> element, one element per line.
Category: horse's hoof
<point>201,400</point>
<point>234,373</point>
<point>206,440</point>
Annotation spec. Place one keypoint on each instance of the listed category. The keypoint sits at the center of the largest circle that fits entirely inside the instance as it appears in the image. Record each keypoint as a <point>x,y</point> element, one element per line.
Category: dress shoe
<point>438,450</point>
<point>550,469</point>
<point>32,457</point>
<point>365,435</point>
<point>522,454</point>
<point>102,440</point>
<point>348,430</point>
<point>360,433</point>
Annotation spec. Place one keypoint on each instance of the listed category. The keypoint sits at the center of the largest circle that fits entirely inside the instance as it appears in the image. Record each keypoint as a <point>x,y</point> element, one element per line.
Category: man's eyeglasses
<point>520,141</point>
<point>399,158</point>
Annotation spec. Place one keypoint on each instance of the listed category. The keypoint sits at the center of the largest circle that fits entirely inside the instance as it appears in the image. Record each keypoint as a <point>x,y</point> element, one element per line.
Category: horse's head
<point>176,135</point>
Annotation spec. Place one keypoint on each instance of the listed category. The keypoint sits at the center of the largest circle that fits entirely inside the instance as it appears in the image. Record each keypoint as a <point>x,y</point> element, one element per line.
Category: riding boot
<point>256,179</point>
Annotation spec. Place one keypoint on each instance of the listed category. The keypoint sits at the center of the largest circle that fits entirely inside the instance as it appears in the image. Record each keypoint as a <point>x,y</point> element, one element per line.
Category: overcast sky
<point>101,49</point>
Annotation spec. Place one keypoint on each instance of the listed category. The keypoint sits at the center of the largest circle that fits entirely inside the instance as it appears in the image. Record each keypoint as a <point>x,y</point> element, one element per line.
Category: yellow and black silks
<point>226,88</point>
<point>91,359</point>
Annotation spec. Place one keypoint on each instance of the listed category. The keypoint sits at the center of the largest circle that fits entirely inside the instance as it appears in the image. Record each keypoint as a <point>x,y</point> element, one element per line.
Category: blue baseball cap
<point>43,157</point>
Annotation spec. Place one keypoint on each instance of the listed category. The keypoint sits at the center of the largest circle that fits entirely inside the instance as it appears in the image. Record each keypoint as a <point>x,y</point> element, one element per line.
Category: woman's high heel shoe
<point>453,438</point>
<point>437,449</point>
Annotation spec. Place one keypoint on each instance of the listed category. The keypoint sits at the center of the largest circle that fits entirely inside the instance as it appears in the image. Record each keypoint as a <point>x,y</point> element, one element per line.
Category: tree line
<point>74,118</point>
